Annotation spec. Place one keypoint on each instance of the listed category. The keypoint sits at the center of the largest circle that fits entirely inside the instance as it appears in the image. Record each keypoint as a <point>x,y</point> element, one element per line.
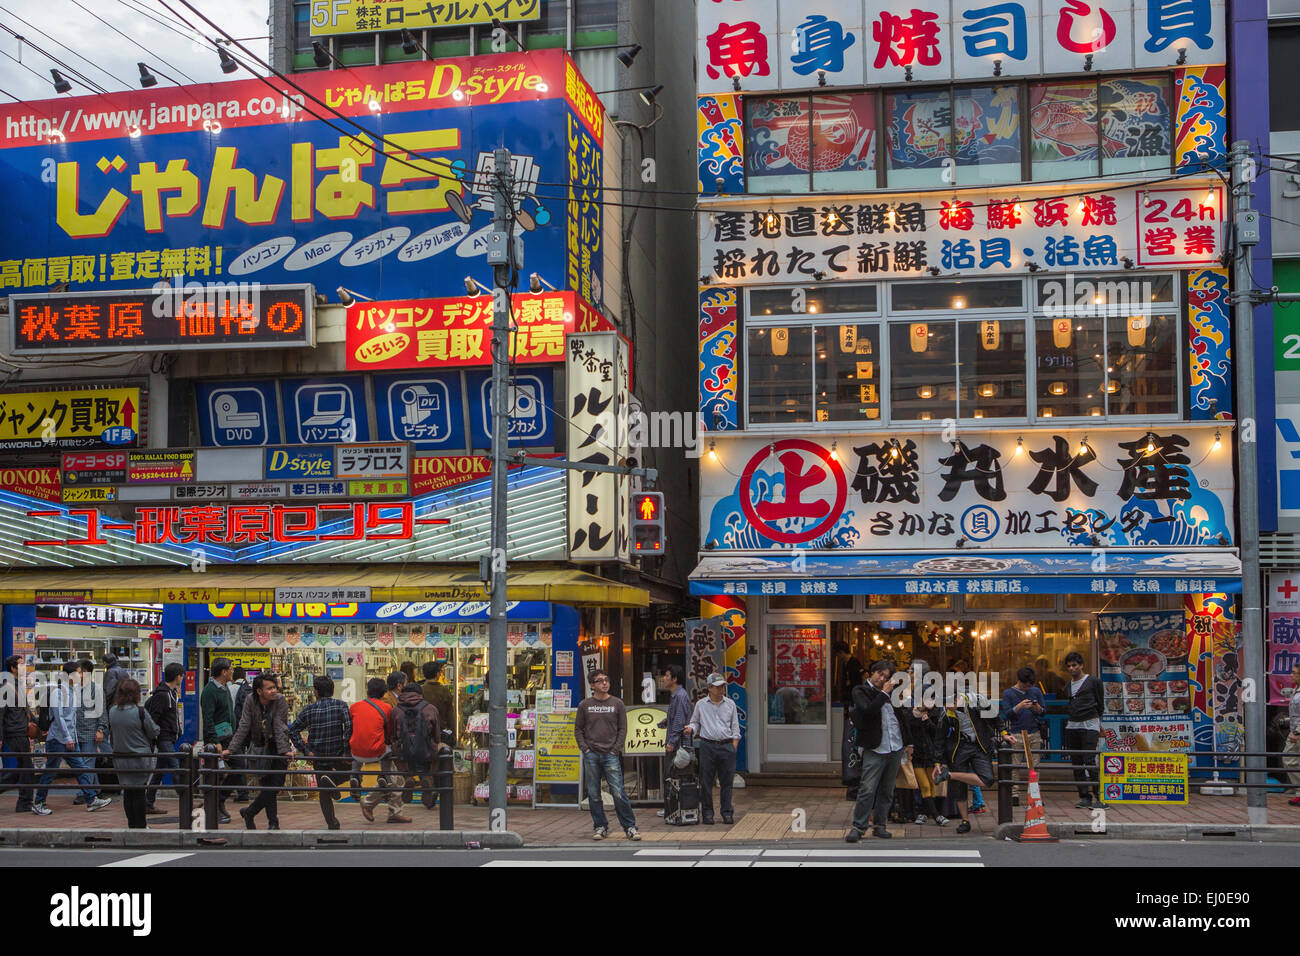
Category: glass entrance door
<point>797,693</point>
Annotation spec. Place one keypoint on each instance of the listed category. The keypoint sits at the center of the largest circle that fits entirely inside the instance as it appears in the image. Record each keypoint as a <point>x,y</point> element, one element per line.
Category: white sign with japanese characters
<point>1164,485</point>
<point>372,461</point>
<point>975,232</point>
<point>769,45</point>
<point>597,370</point>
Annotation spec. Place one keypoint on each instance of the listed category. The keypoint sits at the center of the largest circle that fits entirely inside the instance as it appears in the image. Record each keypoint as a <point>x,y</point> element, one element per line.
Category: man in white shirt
<point>717,721</point>
<point>883,739</point>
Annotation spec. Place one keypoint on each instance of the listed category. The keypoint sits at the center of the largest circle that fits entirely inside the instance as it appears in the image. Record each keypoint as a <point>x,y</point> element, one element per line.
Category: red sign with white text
<point>33,482</point>
<point>457,332</point>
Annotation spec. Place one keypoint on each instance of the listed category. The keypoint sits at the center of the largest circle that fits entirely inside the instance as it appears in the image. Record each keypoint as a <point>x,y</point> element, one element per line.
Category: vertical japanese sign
<point>704,654</point>
<point>1146,673</point>
<point>597,369</point>
<point>1283,636</point>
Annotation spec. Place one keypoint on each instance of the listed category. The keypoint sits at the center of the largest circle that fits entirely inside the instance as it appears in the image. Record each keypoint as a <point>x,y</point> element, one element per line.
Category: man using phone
<point>884,739</point>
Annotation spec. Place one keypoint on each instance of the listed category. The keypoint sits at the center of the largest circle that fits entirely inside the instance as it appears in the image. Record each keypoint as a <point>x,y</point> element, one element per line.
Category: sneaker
<point>632,833</point>
<point>1294,801</point>
<point>964,827</point>
<point>600,833</point>
<point>728,819</point>
<point>659,813</point>
<point>941,821</point>
<point>882,833</point>
<point>41,810</point>
<point>920,820</point>
<point>1084,804</point>
<point>1101,805</point>
<point>223,816</point>
<point>81,801</point>
<point>100,803</point>
<point>398,818</point>
<point>853,836</point>
<point>980,809</point>
<point>368,812</point>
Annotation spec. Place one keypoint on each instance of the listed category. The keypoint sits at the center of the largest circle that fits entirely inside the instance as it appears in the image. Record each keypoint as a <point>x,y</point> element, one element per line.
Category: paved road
<point>896,854</point>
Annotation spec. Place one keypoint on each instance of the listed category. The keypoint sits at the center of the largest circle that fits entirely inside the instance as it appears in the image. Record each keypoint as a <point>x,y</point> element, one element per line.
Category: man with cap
<point>717,721</point>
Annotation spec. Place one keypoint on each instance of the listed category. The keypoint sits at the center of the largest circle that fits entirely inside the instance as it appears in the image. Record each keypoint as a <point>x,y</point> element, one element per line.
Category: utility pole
<point>501,256</point>
<point>1245,233</point>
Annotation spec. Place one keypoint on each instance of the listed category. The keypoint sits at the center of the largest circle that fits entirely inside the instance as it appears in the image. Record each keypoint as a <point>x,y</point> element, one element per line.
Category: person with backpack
<point>162,706</point>
<point>114,674</point>
<point>369,743</point>
<point>15,724</point>
<point>329,727</point>
<point>415,737</point>
<point>264,730</point>
<point>134,734</point>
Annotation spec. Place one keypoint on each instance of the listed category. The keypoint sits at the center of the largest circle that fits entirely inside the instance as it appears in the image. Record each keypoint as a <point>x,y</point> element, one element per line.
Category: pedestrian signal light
<point>648,522</point>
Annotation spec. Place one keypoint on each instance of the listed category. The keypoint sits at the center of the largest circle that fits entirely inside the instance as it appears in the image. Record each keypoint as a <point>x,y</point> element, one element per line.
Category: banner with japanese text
<point>241,182</point>
<point>704,654</point>
<point>770,45</point>
<point>976,232</point>
<point>1147,676</point>
<point>70,418</point>
<point>1111,487</point>
<point>1283,636</point>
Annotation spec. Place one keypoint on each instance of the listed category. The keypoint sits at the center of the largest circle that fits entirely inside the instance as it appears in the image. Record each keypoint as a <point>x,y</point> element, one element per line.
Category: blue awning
<point>1102,572</point>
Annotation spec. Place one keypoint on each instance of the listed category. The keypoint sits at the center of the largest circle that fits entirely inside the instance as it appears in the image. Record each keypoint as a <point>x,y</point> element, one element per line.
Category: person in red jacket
<point>370,742</point>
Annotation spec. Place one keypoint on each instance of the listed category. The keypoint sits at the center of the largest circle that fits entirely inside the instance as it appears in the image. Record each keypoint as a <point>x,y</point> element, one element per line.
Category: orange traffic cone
<point>1035,830</point>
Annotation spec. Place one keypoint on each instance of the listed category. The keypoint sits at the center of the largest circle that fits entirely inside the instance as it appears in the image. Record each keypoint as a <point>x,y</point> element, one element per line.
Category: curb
<point>1208,832</point>
<point>280,839</point>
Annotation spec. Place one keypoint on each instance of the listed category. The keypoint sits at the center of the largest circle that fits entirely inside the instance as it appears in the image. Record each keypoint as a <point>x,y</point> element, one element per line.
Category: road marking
<point>149,859</point>
<point>591,862</point>
<point>867,854</point>
<point>892,864</point>
<point>671,851</point>
<point>755,851</point>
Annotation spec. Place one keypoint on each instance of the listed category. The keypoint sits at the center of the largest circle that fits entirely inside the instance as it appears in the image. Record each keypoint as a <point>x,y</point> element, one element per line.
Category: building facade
<point>965,358</point>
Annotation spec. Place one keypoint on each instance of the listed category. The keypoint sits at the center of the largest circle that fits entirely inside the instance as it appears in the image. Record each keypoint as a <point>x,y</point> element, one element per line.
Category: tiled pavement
<point>762,813</point>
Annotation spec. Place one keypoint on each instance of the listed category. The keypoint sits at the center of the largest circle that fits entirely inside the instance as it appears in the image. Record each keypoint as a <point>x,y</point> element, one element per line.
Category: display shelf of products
<point>528,671</point>
<point>57,644</point>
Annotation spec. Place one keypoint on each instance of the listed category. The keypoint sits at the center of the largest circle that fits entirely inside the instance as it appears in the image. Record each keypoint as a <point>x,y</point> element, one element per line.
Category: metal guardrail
<point>1012,760</point>
<point>198,778</point>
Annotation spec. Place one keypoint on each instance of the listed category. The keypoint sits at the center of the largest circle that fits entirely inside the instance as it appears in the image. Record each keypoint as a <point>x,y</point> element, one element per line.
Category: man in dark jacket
<point>884,738</point>
<point>113,675</point>
<point>416,735</point>
<point>1083,727</point>
<point>14,718</point>
<point>162,707</point>
<point>219,719</point>
<point>966,737</point>
<point>264,729</point>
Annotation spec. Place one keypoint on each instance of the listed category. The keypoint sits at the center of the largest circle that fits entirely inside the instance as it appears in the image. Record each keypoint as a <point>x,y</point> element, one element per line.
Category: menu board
<point>1147,681</point>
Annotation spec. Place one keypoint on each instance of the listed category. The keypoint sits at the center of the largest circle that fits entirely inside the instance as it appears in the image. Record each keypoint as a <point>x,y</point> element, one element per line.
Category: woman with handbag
<point>134,735</point>
<point>264,730</point>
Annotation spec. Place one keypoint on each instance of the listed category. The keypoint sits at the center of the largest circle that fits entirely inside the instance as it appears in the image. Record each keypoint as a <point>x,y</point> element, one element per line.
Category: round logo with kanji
<point>793,491</point>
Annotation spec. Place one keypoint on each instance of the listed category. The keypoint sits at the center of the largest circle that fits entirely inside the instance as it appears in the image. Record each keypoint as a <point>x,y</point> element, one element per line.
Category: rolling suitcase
<point>681,801</point>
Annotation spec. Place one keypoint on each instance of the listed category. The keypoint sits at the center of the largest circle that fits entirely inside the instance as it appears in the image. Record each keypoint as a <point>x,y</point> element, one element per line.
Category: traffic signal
<point>648,522</point>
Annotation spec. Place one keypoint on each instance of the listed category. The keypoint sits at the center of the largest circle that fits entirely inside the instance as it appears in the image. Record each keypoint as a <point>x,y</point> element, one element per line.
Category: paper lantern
<point>1061,332</point>
<point>920,336</point>
<point>780,341</point>
<point>848,338</point>
<point>990,334</point>
<point>1137,330</point>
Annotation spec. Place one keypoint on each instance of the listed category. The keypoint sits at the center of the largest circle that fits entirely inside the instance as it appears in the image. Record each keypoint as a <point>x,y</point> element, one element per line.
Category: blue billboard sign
<point>319,411</point>
<point>531,403</point>
<point>298,462</point>
<point>426,409</point>
<point>237,413</point>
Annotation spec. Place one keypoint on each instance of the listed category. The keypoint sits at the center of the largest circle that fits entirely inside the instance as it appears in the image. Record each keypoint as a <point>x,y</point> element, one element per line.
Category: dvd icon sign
<point>238,416</point>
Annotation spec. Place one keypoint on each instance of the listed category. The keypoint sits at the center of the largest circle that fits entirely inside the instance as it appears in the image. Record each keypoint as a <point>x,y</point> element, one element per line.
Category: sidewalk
<point>762,814</point>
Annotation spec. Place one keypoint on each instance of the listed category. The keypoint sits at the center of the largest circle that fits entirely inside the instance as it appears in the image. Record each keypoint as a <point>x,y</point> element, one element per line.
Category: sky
<point>86,41</point>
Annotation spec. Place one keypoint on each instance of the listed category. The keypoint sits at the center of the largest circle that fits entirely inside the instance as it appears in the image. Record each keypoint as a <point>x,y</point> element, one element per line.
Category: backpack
<point>412,739</point>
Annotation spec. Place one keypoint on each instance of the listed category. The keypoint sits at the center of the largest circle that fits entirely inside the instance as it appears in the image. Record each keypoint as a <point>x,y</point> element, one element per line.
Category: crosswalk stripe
<point>861,862</point>
<point>874,852</point>
<point>149,859</point>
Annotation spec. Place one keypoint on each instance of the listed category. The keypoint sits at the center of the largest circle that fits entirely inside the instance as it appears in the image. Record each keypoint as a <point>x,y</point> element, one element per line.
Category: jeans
<point>56,751</point>
<point>21,748</point>
<point>876,787</point>
<point>133,801</point>
<point>1085,764</point>
<point>267,800</point>
<point>717,759</point>
<point>167,760</point>
<point>609,767</point>
<point>329,774</point>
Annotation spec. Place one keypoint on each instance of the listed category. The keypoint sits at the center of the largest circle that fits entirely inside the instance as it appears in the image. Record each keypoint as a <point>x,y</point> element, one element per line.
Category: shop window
<point>814,300</point>
<point>796,675</point>
<point>1063,130</point>
<point>1003,647</point>
<point>956,294</point>
<point>592,14</point>
<point>846,373</point>
<point>923,370</point>
<point>1142,365</point>
<point>1135,124</point>
<point>302,28</point>
<point>1071,367</point>
<point>918,124</point>
<point>991,369</point>
<point>799,144</point>
<point>987,134</point>
<point>780,374</point>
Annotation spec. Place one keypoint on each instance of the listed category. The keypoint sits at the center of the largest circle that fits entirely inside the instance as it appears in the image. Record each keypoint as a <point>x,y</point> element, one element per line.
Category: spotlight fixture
<point>228,64</point>
<point>648,95</point>
<point>472,287</point>
<point>320,55</point>
<point>147,79</point>
<point>409,44</point>
<point>348,297</point>
<point>61,85</point>
<point>627,56</point>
